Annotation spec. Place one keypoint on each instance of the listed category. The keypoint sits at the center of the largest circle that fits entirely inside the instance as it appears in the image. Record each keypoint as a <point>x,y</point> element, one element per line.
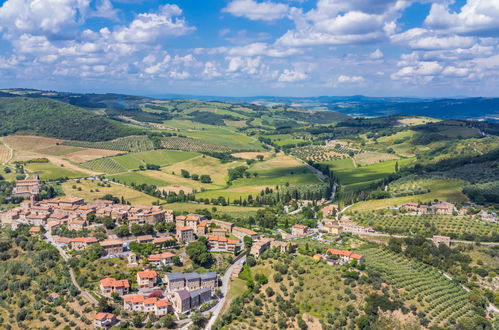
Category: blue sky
<point>421,48</point>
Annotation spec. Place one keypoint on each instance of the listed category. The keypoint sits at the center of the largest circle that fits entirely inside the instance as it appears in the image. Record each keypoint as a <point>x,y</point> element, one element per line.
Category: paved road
<point>225,289</point>
<point>64,255</point>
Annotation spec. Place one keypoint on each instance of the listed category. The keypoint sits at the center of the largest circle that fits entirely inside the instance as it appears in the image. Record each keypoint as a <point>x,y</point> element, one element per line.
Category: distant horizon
<point>242,48</point>
<point>161,95</point>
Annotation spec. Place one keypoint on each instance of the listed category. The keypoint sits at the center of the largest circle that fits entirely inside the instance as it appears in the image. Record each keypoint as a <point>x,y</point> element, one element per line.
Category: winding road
<point>64,255</point>
<point>225,289</point>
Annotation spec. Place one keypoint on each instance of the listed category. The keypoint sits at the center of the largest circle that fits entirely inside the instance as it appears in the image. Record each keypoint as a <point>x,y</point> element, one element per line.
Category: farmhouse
<point>240,233</point>
<point>437,240</point>
<point>112,246</point>
<point>34,230</point>
<point>333,227</point>
<point>144,239</point>
<point>345,256</point>
<point>351,227</point>
<point>161,259</point>
<point>443,208</point>
<point>110,285</point>
<point>260,246</point>
<point>162,241</point>
<point>330,210</point>
<point>104,320</point>
<point>147,279</point>
<point>299,230</point>
<point>77,224</point>
<point>81,243</point>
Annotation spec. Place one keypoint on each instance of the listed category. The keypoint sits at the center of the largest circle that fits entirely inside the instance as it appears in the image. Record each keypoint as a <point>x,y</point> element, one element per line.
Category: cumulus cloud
<point>50,17</point>
<point>253,10</point>
<point>476,17</point>
<point>292,76</point>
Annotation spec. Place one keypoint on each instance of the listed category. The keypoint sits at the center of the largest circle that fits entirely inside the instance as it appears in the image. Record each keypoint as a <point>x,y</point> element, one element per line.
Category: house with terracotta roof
<point>77,224</point>
<point>344,256</point>
<point>202,228</point>
<point>299,230</point>
<point>330,210</point>
<point>147,278</point>
<point>161,242</point>
<point>222,224</point>
<point>112,246</point>
<point>241,232</point>
<point>81,243</point>
<point>34,230</point>
<point>142,304</point>
<point>104,320</point>
<point>162,259</point>
<point>190,281</point>
<point>185,234</point>
<point>27,188</point>
<point>223,244</point>
<point>261,246</point>
<point>144,239</point>
<point>109,285</point>
<point>443,208</point>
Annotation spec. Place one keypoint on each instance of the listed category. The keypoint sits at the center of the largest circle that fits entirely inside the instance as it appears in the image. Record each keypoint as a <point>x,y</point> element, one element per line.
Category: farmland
<point>193,145</point>
<point>123,163</point>
<point>129,143</point>
<point>4,153</point>
<point>279,170</point>
<point>368,158</point>
<point>50,171</point>
<point>462,227</point>
<point>439,189</point>
<point>91,190</point>
<point>443,301</point>
<point>355,177</point>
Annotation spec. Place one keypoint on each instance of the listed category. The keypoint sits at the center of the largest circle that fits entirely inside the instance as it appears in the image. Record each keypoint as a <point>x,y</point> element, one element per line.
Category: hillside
<point>52,118</point>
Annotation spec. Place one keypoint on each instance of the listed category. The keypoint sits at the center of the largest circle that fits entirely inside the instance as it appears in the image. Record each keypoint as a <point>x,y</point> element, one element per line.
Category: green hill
<point>46,117</point>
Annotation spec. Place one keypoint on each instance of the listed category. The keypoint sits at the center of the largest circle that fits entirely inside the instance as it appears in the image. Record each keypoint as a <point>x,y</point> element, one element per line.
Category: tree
<point>185,173</point>
<point>259,157</point>
<point>248,242</point>
<point>205,178</point>
<point>199,254</point>
<point>176,261</point>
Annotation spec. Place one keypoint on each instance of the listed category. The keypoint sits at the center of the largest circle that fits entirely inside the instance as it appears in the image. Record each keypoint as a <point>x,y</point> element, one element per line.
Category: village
<point>156,289</point>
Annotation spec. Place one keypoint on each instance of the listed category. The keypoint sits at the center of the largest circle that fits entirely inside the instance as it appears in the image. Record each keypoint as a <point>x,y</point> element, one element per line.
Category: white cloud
<point>148,27</point>
<point>211,70</point>
<point>350,79</point>
<point>50,17</point>
<point>377,54</point>
<point>292,76</point>
<point>424,39</point>
<point>476,17</point>
<point>265,11</point>
<point>337,22</point>
<point>428,69</point>
<point>249,65</point>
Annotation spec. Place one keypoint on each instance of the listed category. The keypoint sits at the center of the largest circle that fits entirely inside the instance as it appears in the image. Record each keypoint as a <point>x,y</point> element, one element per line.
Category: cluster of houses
<point>434,208</point>
<point>73,212</point>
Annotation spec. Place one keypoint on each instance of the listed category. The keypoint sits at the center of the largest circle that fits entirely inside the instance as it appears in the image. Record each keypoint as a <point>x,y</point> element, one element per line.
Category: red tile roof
<point>109,281</point>
<point>102,316</point>
<point>147,274</point>
<point>84,240</point>
<point>345,253</point>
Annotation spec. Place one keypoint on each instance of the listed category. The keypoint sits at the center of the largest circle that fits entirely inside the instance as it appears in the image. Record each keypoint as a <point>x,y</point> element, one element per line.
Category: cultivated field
<point>4,153</point>
<point>50,171</point>
<point>128,143</point>
<point>427,225</point>
<point>440,298</point>
<point>130,195</point>
<point>440,189</point>
<point>251,155</point>
<point>369,157</point>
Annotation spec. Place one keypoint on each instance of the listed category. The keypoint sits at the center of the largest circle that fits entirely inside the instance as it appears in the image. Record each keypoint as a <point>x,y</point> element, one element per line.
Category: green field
<point>440,189</point>
<point>50,171</point>
<point>129,143</point>
<point>360,177</point>
<point>137,177</point>
<point>276,171</point>
<point>132,161</point>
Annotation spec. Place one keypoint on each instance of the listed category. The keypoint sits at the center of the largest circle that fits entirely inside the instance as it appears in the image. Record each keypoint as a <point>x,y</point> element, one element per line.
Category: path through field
<point>6,153</point>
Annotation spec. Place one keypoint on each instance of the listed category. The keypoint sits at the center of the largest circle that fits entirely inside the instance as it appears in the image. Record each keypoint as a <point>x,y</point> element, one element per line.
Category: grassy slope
<point>50,171</point>
<point>445,190</point>
<point>133,196</point>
